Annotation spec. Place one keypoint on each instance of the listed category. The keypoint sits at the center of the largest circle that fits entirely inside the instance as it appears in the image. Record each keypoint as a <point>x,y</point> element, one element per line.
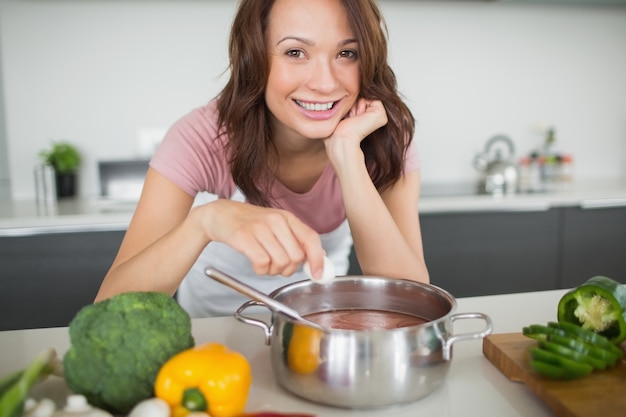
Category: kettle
<point>499,174</point>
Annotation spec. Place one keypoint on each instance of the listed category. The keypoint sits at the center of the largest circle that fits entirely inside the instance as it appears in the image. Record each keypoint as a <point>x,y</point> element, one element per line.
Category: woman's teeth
<point>316,106</point>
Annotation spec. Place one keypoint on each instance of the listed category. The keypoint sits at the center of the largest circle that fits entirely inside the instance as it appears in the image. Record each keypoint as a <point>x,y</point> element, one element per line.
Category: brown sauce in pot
<point>364,319</point>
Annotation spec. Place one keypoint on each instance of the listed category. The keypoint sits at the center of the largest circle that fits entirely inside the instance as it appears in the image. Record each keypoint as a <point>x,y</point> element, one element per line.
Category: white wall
<point>99,72</point>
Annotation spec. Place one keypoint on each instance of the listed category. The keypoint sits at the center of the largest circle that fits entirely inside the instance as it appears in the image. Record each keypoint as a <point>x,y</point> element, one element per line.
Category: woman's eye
<point>295,53</point>
<point>350,54</point>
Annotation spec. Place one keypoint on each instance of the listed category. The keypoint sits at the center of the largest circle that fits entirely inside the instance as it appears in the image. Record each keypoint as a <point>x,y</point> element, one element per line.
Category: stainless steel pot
<point>363,368</point>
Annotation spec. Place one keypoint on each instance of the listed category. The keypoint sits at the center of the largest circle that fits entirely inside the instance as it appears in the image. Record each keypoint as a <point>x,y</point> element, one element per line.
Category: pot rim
<point>394,281</point>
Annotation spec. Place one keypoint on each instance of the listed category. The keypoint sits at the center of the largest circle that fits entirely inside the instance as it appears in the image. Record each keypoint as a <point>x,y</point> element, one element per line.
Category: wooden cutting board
<point>600,394</point>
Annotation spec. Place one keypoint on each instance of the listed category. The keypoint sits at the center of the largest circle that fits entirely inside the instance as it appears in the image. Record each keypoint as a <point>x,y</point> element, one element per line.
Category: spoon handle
<point>253,293</point>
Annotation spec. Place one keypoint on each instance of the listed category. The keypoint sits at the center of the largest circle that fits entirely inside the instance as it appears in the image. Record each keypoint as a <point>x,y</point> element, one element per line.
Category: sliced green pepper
<point>593,338</point>
<point>593,351</point>
<point>552,371</point>
<point>556,366</point>
<point>573,354</point>
<point>599,305</point>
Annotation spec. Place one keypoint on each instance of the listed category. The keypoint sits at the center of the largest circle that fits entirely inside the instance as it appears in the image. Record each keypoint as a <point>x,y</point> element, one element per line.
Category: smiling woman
<point>314,75</point>
<point>308,148</point>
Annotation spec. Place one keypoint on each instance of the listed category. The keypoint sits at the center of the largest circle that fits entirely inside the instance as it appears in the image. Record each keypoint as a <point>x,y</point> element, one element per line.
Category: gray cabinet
<point>483,253</point>
<point>594,243</point>
<point>46,278</point>
<point>470,254</point>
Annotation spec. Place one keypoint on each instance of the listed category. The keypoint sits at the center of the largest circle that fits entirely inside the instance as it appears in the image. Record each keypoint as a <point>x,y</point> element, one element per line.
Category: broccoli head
<point>118,346</point>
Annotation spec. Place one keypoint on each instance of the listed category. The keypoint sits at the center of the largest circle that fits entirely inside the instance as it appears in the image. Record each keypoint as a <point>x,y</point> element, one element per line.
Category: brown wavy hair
<point>245,118</point>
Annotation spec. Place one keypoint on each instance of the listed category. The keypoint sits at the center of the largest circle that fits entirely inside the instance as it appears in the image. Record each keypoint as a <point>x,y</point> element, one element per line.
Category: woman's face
<point>314,67</point>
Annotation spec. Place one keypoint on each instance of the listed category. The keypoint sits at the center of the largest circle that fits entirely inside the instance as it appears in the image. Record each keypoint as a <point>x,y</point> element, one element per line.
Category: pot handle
<point>447,347</point>
<point>267,329</point>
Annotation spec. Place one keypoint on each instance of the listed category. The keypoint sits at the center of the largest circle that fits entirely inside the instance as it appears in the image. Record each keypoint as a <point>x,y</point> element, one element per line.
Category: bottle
<point>45,186</point>
<point>524,174</point>
<point>566,172</point>
<point>535,182</point>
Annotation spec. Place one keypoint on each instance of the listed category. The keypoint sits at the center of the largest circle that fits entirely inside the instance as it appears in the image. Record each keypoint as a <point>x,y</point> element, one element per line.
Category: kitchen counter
<point>26,217</point>
<point>585,194</point>
<point>92,214</point>
<point>473,386</point>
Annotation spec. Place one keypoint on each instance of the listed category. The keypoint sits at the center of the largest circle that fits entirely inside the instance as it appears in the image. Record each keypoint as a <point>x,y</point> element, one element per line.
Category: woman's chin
<point>319,132</point>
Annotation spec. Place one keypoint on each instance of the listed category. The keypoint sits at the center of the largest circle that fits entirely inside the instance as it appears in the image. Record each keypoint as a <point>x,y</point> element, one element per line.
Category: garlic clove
<point>327,276</point>
<point>152,407</point>
<point>43,408</point>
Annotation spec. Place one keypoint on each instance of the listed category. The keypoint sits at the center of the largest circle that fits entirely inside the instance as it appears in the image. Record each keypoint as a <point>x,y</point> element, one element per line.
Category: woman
<point>307,147</point>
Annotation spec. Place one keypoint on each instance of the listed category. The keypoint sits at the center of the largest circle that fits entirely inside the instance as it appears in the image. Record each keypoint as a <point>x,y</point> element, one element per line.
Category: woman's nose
<point>323,76</point>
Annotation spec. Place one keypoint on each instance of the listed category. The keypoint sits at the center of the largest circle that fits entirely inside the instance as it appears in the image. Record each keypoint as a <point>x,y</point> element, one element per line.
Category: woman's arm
<point>392,244</point>
<point>385,227</point>
<point>161,243</point>
<point>165,238</point>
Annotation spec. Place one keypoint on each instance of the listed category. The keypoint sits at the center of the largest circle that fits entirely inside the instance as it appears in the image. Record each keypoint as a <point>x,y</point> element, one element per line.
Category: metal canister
<point>45,185</point>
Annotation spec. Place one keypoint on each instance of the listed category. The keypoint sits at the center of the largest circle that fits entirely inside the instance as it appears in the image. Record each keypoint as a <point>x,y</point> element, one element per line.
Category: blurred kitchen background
<point>112,76</point>
<point>499,89</point>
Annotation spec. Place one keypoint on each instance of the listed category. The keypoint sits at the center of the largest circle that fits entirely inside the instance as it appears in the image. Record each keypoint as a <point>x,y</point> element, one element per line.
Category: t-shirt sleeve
<point>412,158</point>
<point>191,154</point>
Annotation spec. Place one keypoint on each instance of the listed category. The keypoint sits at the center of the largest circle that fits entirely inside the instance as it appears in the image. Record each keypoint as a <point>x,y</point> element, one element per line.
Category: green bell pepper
<point>599,305</point>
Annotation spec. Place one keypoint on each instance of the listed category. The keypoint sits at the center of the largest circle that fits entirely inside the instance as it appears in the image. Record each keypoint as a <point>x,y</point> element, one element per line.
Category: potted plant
<point>65,159</point>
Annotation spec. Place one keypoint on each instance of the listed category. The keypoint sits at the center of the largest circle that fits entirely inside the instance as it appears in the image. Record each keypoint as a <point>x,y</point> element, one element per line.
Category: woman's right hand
<point>275,241</point>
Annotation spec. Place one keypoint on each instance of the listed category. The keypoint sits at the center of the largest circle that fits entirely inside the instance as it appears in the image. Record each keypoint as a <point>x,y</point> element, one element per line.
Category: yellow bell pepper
<point>209,378</point>
<point>304,349</point>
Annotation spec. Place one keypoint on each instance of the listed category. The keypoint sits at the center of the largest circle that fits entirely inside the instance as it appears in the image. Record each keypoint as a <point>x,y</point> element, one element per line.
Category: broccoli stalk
<point>595,312</point>
<point>15,387</point>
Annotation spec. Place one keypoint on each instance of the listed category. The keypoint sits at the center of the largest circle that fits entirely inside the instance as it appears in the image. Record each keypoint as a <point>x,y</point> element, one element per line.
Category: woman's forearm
<point>161,266</point>
<point>383,247</point>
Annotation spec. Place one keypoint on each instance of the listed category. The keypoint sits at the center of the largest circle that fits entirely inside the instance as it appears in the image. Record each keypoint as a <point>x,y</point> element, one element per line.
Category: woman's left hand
<point>363,118</point>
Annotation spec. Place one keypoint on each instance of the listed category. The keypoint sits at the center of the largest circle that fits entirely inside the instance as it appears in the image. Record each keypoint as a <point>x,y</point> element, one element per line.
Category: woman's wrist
<point>344,155</point>
<point>201,218</point>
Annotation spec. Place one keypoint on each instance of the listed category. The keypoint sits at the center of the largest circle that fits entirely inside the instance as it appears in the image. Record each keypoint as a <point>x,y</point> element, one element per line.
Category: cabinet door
<point>47,278</point>
<point>594,244</point>
<point>472,254</point>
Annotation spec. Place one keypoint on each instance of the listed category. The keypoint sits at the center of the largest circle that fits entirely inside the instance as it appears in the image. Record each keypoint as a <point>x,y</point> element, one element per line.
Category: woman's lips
<point>316,106</point>
<point>318,110</point>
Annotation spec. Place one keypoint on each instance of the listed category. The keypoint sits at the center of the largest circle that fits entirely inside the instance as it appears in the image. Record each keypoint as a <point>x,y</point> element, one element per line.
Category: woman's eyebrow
<point>296,38</point>
<point>310,42</point>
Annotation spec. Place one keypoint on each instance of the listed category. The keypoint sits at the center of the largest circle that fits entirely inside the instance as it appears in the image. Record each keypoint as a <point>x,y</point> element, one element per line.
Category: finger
<point>358,107</point>
<point>281,245</point>
<point>311,244</point>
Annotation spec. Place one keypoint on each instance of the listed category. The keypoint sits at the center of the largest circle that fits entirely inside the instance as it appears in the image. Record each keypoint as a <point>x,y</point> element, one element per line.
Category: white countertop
<point>85,214</point>
<point>586,194</point>
<point>473,387</point>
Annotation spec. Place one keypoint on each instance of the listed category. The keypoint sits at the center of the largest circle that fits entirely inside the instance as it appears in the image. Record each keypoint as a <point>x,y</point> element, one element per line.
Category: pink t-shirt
<point>193,157</point>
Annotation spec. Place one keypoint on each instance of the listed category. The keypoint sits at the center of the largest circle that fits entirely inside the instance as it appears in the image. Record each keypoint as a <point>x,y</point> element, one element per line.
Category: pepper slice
<point>588,336</point>
<point>577,338</point>
<point>553,371</point>
<point>593,351</point>
<point>573,354</point>
<point>556,366</point>
<point>599,305</point>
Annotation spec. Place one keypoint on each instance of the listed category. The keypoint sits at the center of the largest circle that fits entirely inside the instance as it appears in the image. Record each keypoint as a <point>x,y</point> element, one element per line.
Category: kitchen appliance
<point>122,180</point>
<point>371,367</point>
<point>499,174</point>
